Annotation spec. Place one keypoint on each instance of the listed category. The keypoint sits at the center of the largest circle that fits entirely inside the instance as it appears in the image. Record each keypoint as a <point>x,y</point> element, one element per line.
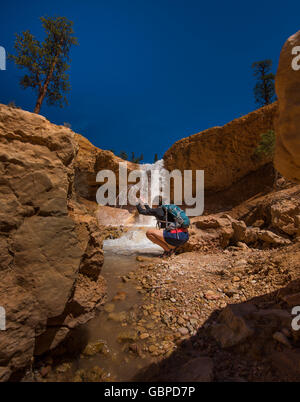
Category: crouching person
<point>172,225</point>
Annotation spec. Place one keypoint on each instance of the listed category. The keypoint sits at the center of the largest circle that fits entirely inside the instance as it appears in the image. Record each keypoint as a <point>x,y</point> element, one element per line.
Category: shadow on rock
<point>250,341</point>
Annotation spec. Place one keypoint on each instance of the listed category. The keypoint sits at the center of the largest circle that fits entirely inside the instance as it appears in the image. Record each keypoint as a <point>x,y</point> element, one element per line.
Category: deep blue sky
<point>149,72</point>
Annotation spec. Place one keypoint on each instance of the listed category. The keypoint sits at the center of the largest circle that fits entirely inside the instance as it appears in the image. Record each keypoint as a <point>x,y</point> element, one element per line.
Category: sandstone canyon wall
<point>287,153</point>
<point>89,161</point>
<point>226,156</point>
<point>51,247</point>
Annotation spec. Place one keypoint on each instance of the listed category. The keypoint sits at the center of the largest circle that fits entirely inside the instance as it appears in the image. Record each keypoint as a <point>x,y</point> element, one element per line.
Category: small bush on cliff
<point>266,146</point>
<point>13,105</point>
<point>46,62</point>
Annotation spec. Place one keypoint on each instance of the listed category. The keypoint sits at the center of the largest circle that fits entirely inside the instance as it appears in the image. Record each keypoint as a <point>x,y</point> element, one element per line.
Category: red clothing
<point>178,230</point>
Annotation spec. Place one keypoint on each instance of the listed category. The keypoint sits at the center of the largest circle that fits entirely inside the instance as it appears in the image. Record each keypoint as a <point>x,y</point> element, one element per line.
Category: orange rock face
<point>114,216</point>
<point>51,248</point>
<point>287,153</point>
<point>89,161</point>
<point>224,153</point>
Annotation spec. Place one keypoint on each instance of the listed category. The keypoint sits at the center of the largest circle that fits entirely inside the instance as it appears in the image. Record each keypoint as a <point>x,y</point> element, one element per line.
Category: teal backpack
<point>180,218</point>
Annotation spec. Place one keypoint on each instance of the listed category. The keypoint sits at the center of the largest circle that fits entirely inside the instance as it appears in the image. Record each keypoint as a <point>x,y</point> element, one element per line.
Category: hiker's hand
<point>142,200</point>
<point>139,206</point>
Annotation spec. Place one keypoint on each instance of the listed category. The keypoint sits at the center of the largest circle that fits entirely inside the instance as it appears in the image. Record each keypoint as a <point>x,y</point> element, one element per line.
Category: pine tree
<point>155,158</point>
<point>46,62</point>
<point>135,159</point>
<point>264,90</point>
<point>124,155</point>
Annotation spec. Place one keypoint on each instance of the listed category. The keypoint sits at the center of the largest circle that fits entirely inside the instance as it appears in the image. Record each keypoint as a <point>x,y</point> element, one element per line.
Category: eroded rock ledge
<point>226,154</point>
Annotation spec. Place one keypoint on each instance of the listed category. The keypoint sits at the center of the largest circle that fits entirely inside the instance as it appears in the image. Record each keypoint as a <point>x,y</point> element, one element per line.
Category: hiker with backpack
<point>174,223</point>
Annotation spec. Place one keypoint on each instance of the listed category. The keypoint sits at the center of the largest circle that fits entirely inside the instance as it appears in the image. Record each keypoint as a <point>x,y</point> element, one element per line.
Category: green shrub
<point>266,146</point>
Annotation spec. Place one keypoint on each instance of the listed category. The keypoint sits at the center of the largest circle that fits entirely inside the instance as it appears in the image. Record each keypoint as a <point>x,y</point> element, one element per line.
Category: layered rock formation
<point>89,161</point>
<point>51,248</point>
<point>287,154</point>
<point>226,154</point>
<point>268,221</point>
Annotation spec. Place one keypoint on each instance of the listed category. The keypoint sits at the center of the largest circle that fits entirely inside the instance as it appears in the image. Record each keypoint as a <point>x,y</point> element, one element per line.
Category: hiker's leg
<point>157,237</point>
<point>160,235</point>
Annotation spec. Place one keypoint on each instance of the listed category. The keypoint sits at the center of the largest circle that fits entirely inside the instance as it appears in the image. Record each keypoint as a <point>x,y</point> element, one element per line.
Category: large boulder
<point>278,211</point>
<point>51,256</point>
<point>287,154</point>
<point>221,230</point>
<point>233,325</point>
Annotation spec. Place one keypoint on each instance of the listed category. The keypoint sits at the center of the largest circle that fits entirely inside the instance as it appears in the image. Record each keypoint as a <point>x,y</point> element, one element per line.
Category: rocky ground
<point>210,316</point>
<point>220,310</point>
<point>229,306</point>
<point>225,305</point>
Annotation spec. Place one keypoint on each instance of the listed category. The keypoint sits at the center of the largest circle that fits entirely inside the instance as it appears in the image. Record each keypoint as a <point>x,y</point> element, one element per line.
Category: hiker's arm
<point>147,210</point>
<point>141,210</point>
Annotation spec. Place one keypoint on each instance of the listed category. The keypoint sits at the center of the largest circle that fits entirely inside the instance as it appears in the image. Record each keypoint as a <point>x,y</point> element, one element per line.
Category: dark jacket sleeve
<point>148,211</point>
